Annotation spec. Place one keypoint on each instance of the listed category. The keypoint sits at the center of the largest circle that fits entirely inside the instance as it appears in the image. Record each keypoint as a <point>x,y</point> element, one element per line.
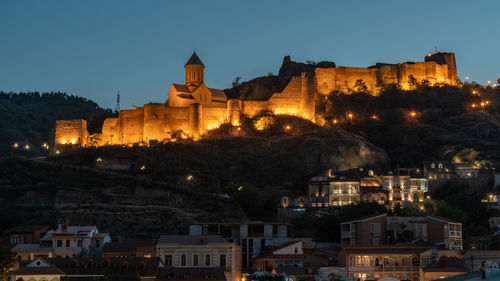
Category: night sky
<point>96,48</point>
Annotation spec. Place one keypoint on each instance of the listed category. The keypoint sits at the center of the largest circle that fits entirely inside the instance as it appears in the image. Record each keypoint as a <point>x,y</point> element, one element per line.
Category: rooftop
<point>192,239</point>
<point>31,248</point>
<point>27,228</point>
<point>123,247</point>
<point>387,249</point>
<point>194,60</point>
<point>191,273</point>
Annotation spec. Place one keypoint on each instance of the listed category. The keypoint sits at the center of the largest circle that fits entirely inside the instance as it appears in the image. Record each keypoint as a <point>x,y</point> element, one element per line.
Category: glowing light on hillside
<point>287,127</point>
<point>239,128</point>
<point>350,115</point>
<point>27,147</point>
<point>240,188</point>
<point>466,77</point>
<point>473,105</point>
<point>99,159</point>
<point>189,177</point>
<point>413,114</point>
<point>335,121</point>
<point>474,92</point>
<point>15,145</point>
<point>143,168</point>
<point>374,117</point>
<point>57,152</point>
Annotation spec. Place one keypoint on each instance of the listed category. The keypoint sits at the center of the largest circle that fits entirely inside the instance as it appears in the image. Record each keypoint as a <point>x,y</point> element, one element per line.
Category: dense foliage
<point>29,118</point>
<point>446,123</point>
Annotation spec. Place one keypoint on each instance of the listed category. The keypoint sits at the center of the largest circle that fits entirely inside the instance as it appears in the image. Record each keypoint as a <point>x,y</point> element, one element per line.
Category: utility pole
<point>117,109</point>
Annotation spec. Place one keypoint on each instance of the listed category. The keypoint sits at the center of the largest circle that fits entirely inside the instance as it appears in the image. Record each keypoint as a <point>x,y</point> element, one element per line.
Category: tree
<point>6,262</point>
<point>236,81</point>
<point>360,86</point>
<point>412,82</point>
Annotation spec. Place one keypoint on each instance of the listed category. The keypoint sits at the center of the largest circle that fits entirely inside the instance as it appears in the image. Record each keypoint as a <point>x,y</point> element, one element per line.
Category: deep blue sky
<point>95,48</point>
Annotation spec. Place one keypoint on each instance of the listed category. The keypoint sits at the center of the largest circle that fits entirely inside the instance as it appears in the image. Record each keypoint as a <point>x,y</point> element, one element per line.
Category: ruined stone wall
<point>154,122</point>
<point>71,132</point>
<point>344,78</point>
<point>177,118</point>
<point>131,124</point>
<point>213,117</point>
<point>110,132</point>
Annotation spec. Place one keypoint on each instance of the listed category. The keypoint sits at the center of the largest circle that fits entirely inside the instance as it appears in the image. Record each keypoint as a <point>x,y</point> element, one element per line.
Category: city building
<point>65,241</point>
<point>370,230</point>
<point>402,262</point>
<point>68,269</point>
<point>140,249</point>
<point>201,251</point>
<point>251,236</point>
<point>25,234</point>
<point>445,267</point>
<point>382,229</point>
<point>171,273</point>
<point>405,187</point>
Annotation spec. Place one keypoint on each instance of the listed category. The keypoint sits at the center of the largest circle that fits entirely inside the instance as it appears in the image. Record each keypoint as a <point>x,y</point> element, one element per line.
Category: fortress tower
<point>194,72</point>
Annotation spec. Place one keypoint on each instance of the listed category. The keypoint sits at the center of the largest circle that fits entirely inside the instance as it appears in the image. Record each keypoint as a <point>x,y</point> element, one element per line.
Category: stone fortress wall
<point>158,121</point>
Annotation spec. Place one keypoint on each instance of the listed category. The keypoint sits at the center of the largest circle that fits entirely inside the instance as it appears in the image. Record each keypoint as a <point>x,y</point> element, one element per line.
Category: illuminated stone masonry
<point>192,108</point>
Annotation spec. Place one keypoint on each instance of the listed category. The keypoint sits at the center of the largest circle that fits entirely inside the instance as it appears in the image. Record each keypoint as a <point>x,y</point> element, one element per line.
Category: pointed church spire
<point>194,60</point>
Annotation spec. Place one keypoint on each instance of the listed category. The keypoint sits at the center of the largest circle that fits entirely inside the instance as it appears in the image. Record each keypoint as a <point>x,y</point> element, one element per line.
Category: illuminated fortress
<point>193,108</point>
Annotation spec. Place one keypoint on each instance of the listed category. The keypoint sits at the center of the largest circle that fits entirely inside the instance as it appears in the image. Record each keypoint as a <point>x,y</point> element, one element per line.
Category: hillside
<point>180,180</point>
<point>29,118</point>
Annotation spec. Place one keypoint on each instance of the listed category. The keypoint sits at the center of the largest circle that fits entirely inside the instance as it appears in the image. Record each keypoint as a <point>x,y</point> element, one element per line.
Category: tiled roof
<point>192,239</point>
<point>283,257</point>
<point>31,248</point>
<point>217,93</point>
<point>442,219</point>
<point>26,228</point>
<point>370,182</point>
<point>100,236</point>
<point>186,96</point>
<point>123,247</point>
<point>24,269</point>
<point>117,267</point>
<point>194,60</point>
<point>74,229</point>
<point>194,273</point>
<point>447,264</point>
<point>181,88</point>
<point>365,218</point>
<point>386,249</point>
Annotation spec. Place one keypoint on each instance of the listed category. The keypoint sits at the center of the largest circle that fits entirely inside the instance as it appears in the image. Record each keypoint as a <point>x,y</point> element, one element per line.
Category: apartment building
<point>381,229</point>
<point>200,251</point>
<point>252,236</point>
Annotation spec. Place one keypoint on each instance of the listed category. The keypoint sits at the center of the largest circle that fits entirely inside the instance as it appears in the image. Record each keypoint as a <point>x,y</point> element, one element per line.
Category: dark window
<point>59,243</point>
<point>222,261</point>
<point>80,243</point>
<point>183,260</point>
<point>168,260</point>
<point>195,260</point>
<point>67,243</point>
<point>98,243</point>
<point>207,260</point>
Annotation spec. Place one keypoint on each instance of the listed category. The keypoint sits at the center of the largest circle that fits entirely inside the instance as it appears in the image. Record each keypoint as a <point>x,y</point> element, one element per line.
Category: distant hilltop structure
<point>193,108</point>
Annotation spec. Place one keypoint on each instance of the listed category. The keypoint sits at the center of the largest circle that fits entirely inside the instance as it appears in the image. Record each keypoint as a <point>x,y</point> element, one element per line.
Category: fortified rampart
<point>437,68</point>
<point>193,108</point>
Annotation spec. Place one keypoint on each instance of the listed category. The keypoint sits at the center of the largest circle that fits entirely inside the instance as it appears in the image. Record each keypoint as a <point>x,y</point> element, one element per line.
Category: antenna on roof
<point>436,49</point>
<point>117,109</point>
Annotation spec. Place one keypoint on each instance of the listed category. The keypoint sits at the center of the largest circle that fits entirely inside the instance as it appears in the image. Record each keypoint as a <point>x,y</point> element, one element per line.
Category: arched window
<point>440,166</point>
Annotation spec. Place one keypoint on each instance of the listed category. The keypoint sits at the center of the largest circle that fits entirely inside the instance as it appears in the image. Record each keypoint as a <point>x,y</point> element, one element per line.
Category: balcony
<point>348,234</point>
<point>387,268</point>
<point>452,233</point>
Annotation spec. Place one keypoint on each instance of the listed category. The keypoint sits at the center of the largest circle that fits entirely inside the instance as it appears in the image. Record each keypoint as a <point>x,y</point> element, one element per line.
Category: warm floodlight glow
<point>189,177</point>
<point>27,147</point>
<point>15,145</point>
<point>335,121</point>
<point>413,114</point>
<point>287,127</point>
<point>143,167</point>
